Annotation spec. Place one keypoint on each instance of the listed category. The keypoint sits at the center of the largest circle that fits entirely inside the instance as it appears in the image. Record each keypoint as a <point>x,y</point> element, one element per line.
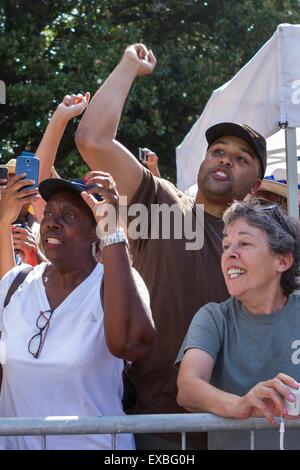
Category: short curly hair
<point>283,232</point>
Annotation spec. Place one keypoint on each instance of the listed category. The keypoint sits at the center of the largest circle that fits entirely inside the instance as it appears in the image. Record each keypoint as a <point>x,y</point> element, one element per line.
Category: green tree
<point>50,48</point>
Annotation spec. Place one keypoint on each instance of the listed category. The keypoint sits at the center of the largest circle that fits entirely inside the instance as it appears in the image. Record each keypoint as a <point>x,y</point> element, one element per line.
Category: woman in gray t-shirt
<point>240,357</point>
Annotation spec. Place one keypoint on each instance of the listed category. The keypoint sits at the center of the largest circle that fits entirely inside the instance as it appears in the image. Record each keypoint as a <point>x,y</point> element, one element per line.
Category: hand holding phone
<point>29,164</point>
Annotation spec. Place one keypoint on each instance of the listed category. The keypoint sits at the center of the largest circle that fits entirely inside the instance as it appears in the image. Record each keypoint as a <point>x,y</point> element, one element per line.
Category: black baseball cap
<point>50,186</point>
<point>244,132</point>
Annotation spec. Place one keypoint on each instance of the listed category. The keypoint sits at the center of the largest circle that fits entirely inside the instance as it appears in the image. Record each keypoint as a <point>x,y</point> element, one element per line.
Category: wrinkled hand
<point>24,241</point>
<point>266,399</point>
<point>73,105</point>
<point>12,199</point>
<point>142,57</point>
<point>106,211</point>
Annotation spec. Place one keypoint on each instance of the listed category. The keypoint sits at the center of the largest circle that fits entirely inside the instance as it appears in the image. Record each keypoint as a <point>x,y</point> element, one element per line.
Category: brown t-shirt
<point>180,281</point>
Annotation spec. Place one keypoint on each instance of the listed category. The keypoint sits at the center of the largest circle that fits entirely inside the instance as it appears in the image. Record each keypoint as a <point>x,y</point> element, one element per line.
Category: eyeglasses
<point>273,208</point>
<point>36,342</point>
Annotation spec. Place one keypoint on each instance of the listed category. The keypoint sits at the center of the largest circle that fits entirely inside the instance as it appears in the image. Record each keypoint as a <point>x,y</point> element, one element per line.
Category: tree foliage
<point>50,48</point>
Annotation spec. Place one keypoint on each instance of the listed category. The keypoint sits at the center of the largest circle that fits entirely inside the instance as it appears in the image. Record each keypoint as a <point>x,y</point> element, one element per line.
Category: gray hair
<point>283,232</point>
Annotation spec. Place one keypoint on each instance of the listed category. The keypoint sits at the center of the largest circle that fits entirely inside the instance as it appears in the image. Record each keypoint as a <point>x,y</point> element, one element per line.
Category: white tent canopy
<point>264,94</point>
<point>276,155</point>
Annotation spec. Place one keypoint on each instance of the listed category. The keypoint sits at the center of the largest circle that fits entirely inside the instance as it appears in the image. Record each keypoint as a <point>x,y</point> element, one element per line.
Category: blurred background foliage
<point>51,48</point>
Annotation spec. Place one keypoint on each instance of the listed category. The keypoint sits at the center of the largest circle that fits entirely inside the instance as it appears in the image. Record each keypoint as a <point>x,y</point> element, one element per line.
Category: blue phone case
<point>28,163</point>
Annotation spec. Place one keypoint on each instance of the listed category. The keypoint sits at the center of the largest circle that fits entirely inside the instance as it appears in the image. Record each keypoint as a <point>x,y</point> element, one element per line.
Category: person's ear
<point>255,187</point>
<point>285,262</point>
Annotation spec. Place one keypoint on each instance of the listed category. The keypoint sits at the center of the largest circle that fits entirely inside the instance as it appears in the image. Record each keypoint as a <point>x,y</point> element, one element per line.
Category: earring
<point>94,250</point>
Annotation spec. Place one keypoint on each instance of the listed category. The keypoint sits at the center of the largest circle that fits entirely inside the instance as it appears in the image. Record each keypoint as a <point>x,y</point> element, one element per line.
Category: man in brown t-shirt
<point>181,277</point>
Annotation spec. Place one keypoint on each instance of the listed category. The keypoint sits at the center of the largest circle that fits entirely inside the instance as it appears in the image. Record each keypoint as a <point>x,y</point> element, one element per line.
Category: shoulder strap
<point>16,283</point>
<point>102,292</point>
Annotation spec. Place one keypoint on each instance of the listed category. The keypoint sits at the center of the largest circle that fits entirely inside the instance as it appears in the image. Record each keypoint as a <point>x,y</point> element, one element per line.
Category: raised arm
<point>70,107</point>
<point>11,203</point>
<point>96,133</point>
<point>128,324</point>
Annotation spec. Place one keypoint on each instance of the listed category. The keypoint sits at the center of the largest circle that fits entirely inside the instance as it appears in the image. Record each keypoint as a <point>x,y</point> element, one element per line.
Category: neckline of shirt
<point>264,318</point>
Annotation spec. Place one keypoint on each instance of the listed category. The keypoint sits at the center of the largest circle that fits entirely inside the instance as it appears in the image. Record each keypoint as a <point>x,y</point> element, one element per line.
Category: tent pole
<point>292,173</point>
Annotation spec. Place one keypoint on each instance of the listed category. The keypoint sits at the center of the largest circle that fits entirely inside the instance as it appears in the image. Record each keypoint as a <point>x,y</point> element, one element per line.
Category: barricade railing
<point>164,423</point>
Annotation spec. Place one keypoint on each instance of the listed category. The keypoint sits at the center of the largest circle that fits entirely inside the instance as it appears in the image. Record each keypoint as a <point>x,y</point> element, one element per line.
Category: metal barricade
<point>164,423</point>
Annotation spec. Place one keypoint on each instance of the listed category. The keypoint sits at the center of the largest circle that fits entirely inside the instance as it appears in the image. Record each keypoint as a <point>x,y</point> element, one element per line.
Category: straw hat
<point>275,192</point>
<point>11,165</point>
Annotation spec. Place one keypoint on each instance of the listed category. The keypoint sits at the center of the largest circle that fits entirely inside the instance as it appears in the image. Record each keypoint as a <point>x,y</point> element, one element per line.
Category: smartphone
<point>143,156</point>
<point>3,173</point>
<point>23,225</point>
<point>97,196</point>
<point>28,163</point>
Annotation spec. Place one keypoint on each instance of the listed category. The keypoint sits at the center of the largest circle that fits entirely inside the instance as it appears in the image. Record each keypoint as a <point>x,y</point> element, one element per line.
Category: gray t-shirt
<point>247,349</point>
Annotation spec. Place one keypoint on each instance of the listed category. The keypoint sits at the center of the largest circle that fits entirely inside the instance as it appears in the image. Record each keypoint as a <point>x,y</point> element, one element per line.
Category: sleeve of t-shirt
<point>151,192</point>
<point>205,332</point>
<point>5,284</point>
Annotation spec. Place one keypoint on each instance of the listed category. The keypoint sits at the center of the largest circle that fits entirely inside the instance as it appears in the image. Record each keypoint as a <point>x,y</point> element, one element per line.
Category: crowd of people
<point>103,296</point>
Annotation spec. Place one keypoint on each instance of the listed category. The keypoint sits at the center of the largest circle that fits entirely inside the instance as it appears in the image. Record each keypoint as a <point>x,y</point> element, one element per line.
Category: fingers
<point>67,100</point>
<point>260,405</point>
<point>281,384</point>
<point>89,200</point>
<point>96,173</point>
<point>101,183</point>
<point>288,380</point>
<point>77,101</point>
<point>152,158</point>
<point>19,182</point>
<point>152,58</point>
<point>141,51</point>
<point>24,246</point>
<point>100,180</point>
<point>17,191</point>
<point>15,179</point>
<point>77,98</point>
<point>109,194</point>
<point>271,395</point>
<point>22,237</point>
<point>26,195</point>
<point>141,56</point>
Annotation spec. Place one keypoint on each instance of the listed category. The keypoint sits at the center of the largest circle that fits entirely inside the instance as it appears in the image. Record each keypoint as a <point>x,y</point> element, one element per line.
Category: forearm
<point>7,256</point>
<point>101,120</point>
<point>196,394</point>
<point>128,323</point>
<point>47,149</point>
<point>95,136</point>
